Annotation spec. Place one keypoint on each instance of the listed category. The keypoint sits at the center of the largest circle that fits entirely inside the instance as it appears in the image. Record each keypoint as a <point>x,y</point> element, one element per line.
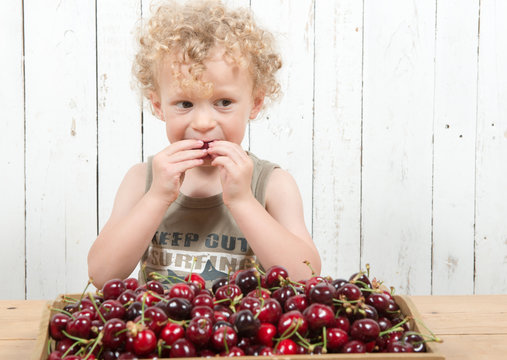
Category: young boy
<point>203,203</point>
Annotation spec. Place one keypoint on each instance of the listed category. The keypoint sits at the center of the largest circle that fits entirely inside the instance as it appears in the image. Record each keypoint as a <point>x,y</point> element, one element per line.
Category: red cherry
<point>199,331</point>
<point>354,347</point>
<point>114,337</point>
<point>149,298</point>
<point>172,332</point>
<point>183,348</point>
<point>365,330</point>
<point>111,309</point>
<point>197,279</point>
<point>318,316</point>
<point>292,320</point>
<point>296,302</point>
<point>399,347</point>
<point>181,290</point>
<point>227,293</point>
<point>203,300</point>
<point>266,334</point>
<point>349,292</point>
<point>274,274</point>
<point>145,342</point>
<point>270,312</point>
<point>79,327</point>
<point>260,293</point>
<point>286,347</point>
<point>131,283</point>
<point>223,335</point>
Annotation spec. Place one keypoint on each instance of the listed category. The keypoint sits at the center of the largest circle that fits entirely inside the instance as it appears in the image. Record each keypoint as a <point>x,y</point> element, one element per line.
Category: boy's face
<point>221,114</point>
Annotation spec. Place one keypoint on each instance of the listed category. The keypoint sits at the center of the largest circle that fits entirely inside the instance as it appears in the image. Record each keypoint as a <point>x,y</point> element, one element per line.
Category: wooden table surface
<point>472,327</point>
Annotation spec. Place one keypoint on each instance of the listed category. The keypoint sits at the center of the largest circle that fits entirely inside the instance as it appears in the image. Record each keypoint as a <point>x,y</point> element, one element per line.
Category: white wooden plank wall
<point>393,122</point>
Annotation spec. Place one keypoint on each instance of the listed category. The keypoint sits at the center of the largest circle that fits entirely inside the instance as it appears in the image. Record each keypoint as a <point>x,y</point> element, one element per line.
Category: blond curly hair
<point>191,31</point>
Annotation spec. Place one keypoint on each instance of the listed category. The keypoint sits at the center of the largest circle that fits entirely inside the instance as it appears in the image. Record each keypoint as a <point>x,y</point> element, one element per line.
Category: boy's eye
<point>224,102</point>
<point>184,104</point>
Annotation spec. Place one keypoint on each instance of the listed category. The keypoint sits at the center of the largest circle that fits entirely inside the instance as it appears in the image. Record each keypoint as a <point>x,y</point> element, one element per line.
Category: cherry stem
<point>97,340</point>
<point>78,340</point>
<point>49,346</point>
<point>368,270</point>
<point>63,312</point>
<point>194,261</point>
<point>324,340</point>
<point>225,341</point>
<point>432,336</point>
<point>307,263</point>
<point>142,308</point>
<point>302,341</point>
<point>170,279</point>
<point>261,299</point>
<point>396,327</point>
<point>84,291</point>
<point>96,307</point>
<point>258,268</point>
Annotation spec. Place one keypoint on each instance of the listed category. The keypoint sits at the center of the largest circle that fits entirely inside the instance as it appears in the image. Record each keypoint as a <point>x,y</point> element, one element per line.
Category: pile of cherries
<point>249,313</point>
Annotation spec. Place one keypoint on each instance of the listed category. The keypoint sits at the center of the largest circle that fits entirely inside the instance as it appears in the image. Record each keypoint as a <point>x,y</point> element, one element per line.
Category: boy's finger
<point>187,144</point>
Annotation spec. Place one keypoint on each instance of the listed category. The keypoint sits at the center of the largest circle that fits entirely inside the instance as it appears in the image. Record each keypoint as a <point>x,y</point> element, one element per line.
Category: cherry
<point>266,351</point>
<point>338,283</point>
<point>247,280</point>
<point>379,301</point>
<point>183,348</point>
<point>64,345</point>
<point>112,309</point>
<point>365,330</point>
<point>112,289</point>
<point>250,303</point>
<point>181,290</point>
<point>286,347</point>
<point>127,356</point>
<point>114,336</point>
<point>323,293</point>
<point>245,323</point>
<point>86,304</point>
<point>79,327</point>
<point>203,300</point>
<point>227,293</point>
<point>336,338</point>
<point>223,335</point>
<point>233,352</point>
<point>178,308</point>
<point>199,331</point>
<point>364,311</point>
<point>399,347</point>
<point>274,274</point>
<point>270,312</point>
<point>361,280</point>
<point>384,323</point>
<point>55,355</point>
<point>318,315</point>
<point>148,297</point>
<point>58,323</point>
<point>291,320</point>
<point>218,283</point>
<point>155,318</point>
<point>296,302</point>
<point>145,342</point>
<point>310,283</point>
<point>131,283</point>
<point>127,297</point>
<point>265,334</point>
<point>282,294</point>
<point>414,339</point>
<point>203,311</point>
<point>172,332</point>
<point>196,279</point>
<point>342,322</point>
<point>134,310</point>
<point>354,347</point>
<point>260,293</point>
<point>349,292</point>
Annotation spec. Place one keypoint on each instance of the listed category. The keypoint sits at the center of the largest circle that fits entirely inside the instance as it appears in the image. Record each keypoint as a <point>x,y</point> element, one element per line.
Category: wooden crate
<point>406,305</point>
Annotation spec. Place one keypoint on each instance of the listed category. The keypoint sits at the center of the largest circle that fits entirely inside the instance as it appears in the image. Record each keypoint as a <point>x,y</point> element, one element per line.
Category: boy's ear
<point>257,105</point>
<point>156,104</point>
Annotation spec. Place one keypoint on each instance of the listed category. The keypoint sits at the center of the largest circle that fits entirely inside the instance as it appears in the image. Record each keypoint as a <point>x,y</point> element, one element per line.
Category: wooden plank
<point>491,167</point>
<point>397,142</point>
<point>16,349</point>
<point>20,318</point>
<point>61,144</point>
<point>479,304</point>
<point>119,106</point>
<point>12,151</point>
<point>473,347</point>
<point>337,135</point>
<point>284,132</point>
<point>454,147</point>
<point>154,134</point>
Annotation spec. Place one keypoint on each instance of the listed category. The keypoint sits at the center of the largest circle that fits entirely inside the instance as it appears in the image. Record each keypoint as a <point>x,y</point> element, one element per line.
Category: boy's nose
<point>203,121</point>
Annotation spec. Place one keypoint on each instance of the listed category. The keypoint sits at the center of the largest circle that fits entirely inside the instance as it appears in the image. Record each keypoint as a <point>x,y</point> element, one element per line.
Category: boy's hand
<point>169,167</point>
<point>236,169</point>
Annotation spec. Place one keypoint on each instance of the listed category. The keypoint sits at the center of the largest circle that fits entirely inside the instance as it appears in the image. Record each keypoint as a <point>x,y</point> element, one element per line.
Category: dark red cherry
<point>323,293</point>
<point>172,332</point>
<point>203,300</point>
<point>270,312</point>
<point>379,301</point>
<point>199,331</point>
<point>246,324</point>
<point>250,303</point>
<point>58,323</point>
<point>297,302</point>
<point>365,330</point>
<point>183,348</point>
<point>247,280</point>
<point>282,294</point>
<point>336,338</point>
<point>354,347</point>
<point>114,336</point>
<point>349,292</point>
<point>414,339</point>
<point>112,289</point>
<point>399,347</point>
<point>218,283</point>
<point>203,311</point>
<point>178,308</point>
<point>112,309</point>
<point>155,318</point>
<point>79,327</point>
<point>319,315</point>
<point>196,279</point>
<point>127,297</point>
<point>131,283</point>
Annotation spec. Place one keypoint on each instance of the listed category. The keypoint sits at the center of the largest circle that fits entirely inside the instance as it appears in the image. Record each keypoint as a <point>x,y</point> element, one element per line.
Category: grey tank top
<point>201,233</point>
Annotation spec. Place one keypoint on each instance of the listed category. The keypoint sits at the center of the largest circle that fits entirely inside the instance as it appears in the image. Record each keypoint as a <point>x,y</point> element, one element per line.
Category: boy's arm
<point>126,235</point>
<point>277,233</point>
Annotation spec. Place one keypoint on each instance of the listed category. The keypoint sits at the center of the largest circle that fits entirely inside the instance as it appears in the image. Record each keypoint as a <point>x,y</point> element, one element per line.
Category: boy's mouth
<point>206,145</point>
